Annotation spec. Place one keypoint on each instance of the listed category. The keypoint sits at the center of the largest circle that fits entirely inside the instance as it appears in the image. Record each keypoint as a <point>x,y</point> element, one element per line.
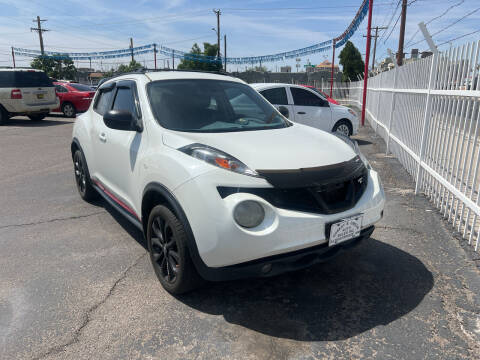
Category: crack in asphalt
<point>52,220</point>
<point>87,316</point>
<point>399,228</point>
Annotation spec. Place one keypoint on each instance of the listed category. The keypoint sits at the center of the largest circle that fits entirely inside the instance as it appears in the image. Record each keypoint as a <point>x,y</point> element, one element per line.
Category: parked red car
<point>74,98</point>
<point>330,100</point>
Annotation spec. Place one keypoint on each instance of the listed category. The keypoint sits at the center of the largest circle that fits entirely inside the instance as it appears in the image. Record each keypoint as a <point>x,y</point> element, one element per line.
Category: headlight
<point>352,112</point>
<point>217,158</point>
<point>354,145</point>
<point>249,214</point>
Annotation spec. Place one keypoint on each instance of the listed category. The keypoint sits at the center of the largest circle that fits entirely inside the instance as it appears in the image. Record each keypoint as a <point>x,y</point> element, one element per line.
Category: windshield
<point>211,106</point>
<point>80,87</point>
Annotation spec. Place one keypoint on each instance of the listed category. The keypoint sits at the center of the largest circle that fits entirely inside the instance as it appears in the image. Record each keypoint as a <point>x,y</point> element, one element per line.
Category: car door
<point>310,109</point>
<point>117,150</point>
<point>277,96</point>
<point>61,93</point>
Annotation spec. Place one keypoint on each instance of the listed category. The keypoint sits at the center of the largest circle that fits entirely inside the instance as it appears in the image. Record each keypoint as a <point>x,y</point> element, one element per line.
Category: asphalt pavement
<point>76,281</point>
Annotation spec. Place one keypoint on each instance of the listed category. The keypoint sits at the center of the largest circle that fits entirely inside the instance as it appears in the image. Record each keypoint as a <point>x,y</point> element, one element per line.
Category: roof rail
<point>143,71</point>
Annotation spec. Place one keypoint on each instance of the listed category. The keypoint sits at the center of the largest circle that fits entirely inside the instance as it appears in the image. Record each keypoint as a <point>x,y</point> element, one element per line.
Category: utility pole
<point>225,50</point>
<point>401,38</point>
<point>131,48</point>
<point>375,42</point>
<point>218,13</point>
<point>40,32</point>
<point>155,55</point>
<point>173,59</point>
<point>13,58</point>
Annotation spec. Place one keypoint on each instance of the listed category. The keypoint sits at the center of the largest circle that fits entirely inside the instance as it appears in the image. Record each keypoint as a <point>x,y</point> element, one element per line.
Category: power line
<point>391,19</point>
<point>456,21</point>
<point>459,37</point>
<point>435,18</point>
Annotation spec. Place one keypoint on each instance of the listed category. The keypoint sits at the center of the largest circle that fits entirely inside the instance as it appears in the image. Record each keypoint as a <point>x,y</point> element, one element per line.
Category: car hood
<point>295,147</point>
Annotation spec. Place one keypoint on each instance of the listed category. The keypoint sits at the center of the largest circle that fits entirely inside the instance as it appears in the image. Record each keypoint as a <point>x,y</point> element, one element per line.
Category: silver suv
<point>26,92</point>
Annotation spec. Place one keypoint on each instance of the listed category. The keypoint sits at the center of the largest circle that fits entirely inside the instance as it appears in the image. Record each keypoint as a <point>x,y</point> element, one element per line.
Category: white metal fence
<point>427,111</point>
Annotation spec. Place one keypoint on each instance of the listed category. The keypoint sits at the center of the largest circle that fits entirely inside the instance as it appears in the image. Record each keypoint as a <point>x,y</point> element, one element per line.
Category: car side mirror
<point>284,111</point>
<point>121,120</point>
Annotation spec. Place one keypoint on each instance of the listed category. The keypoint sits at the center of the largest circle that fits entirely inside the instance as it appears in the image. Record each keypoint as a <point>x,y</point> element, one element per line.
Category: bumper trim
<point>282,263</point>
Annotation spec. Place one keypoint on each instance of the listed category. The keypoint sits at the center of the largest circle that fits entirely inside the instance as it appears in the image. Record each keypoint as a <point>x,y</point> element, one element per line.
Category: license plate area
<point>344,230</point>
<point>40,96</point>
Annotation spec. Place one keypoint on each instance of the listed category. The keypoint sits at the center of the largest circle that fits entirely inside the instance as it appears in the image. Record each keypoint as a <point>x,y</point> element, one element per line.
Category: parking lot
<point>76,281</point>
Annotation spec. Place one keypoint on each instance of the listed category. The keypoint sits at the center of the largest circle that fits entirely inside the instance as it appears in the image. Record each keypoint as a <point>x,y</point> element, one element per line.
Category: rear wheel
<point>167,244</point>
<point>343,127</point>
<point>82,177</point>
<point>69,110</point>
<point>37,117</point>
<point>3,116</point>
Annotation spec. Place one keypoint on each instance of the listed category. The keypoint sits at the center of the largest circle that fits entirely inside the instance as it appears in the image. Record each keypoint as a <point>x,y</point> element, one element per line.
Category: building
<point>286,69</point>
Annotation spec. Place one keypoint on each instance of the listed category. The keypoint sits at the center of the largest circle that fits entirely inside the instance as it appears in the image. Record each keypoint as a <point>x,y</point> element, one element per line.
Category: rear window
<point>80,87</point>
<point>23,79</point>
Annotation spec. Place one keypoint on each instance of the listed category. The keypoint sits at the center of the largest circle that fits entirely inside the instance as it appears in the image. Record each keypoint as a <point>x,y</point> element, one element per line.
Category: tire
<point>82,177</point>
<point>3,116</point>
<point>167,244</point>
<point>343,127</point>
<point>69,110</point>
<point>37,117</point>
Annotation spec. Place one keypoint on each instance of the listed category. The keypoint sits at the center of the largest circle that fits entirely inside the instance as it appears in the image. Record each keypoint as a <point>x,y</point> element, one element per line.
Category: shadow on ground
<point>25,122</point>
<point>372,285</point>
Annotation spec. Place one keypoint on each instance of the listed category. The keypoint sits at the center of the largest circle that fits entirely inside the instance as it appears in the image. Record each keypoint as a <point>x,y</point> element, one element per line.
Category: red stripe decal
<point>117,200</point>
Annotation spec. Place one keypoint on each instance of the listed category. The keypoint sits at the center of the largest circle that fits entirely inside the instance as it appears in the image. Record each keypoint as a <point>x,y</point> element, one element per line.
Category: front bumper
<point>279,264</point>
<point>221,242</point>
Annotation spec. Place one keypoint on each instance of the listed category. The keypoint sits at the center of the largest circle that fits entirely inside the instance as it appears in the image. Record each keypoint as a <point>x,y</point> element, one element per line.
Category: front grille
<point>325,199</point>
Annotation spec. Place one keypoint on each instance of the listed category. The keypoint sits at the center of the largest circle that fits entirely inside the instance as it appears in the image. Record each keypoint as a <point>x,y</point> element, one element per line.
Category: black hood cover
<point>317,176</point>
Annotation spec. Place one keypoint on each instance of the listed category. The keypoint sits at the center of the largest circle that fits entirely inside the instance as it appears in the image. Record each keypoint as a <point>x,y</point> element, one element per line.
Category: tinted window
<point>303,97</point>
<point>60,89</point>
<point>103,100</point>
<point>276,96</point>
<point>124,100</point>
<point>22,79</point>
<point>211,106</point>
<point>81,87</point>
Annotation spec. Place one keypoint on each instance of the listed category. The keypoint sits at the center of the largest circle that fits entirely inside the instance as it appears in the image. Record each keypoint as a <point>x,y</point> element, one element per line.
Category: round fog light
<point>249,213</point>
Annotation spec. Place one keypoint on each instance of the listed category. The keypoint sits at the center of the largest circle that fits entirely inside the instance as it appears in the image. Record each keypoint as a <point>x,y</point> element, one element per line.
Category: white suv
<point>308,107</point>
<point>26,92</point>
<point>221,184</point>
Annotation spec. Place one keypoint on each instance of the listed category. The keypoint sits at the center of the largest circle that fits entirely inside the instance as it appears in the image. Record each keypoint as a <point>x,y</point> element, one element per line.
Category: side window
<point>60,89</point>
<point>276,96</point>
<point>102,101</point>
<point>303,97</point>
<point>124,100</point>
<point>243,105</point>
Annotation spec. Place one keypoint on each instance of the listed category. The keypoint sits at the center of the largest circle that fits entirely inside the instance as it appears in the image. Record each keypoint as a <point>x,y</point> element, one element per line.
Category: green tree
<point>258,69</point>
<point>132,66</point>
<point>351,61</point>
<point>56,66</point>
<point>208,50</point>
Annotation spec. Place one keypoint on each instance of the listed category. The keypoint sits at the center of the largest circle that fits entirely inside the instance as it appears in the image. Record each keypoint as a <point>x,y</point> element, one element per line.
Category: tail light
<point>16,94</point>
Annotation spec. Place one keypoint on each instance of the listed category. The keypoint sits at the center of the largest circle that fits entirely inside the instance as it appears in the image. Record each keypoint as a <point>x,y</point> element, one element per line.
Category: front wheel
<point>167,244</point>
<point>3,116</point>
<point>343,127</point>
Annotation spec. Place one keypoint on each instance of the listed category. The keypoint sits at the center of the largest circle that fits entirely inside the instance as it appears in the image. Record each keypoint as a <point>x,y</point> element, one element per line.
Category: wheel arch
<point>157,194</point>
<point>344,120</point>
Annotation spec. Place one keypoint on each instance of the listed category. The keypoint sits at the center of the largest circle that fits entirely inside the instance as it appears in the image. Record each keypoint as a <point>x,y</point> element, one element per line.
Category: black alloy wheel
<point>82,177</point>
<point>167,244</point>
<point>164,249</point>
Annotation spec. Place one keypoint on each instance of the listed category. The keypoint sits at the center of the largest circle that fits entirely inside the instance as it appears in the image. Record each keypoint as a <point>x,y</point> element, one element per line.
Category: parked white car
<point>26,92</point>
<point>221,184</point>
<point>306,106</point>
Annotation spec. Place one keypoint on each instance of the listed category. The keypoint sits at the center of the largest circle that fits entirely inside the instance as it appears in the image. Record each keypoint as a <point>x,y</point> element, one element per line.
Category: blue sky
<point>256,27</point>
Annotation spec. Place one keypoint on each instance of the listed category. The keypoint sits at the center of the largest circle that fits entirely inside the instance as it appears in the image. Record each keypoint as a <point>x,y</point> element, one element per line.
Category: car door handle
<point>102,137</point>
<point>301,113</point>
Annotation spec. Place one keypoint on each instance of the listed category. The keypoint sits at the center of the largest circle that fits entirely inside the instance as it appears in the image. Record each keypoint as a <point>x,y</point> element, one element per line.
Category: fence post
<point>428,103</point>
<point>392,109</point>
